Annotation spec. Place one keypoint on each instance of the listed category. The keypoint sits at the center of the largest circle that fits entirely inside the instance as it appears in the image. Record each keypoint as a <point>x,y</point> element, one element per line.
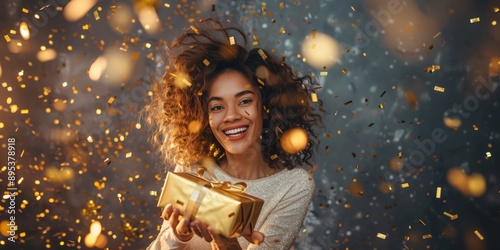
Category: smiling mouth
<point>235,132</point>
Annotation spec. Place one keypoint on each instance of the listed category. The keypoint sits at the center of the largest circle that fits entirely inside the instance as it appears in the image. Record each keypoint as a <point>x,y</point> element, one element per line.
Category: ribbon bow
<point>201,189</point>
<point>239,187</point>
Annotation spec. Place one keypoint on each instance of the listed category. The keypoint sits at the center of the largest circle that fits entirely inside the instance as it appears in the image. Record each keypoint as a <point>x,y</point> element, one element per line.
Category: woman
<point>221,100</point>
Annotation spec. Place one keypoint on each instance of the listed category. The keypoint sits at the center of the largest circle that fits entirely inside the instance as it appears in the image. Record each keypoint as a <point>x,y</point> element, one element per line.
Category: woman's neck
<point>248,166</point>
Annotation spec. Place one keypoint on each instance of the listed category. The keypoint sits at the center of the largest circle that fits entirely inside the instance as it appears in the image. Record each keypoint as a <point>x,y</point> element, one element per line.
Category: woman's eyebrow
<point>242,93</point>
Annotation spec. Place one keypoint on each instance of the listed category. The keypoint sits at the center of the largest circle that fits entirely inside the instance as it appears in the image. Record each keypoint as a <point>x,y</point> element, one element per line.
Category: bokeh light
<point>321,50</point>
<point>294,140</point>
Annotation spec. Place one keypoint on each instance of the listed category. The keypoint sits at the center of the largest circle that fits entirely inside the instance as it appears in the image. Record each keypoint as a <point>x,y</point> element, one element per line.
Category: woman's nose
<point>232,114</point>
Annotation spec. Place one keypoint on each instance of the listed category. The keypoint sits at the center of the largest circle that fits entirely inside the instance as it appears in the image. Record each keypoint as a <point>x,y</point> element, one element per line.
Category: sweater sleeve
<point>283,224</point>
<point>166,238</point>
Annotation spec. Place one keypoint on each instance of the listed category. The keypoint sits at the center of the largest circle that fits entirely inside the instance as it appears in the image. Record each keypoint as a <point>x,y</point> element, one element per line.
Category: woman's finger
<point>255,238</point>
<point>183,226</point>
<point>167,212</point>
<point>202,228</point>
<point>174,218</point>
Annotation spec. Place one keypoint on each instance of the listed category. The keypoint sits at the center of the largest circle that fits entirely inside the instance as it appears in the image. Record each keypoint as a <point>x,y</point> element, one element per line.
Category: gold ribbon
<point>201,190</point>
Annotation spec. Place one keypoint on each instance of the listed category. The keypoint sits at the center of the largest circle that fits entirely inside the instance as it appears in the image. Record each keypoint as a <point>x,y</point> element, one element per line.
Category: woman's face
<point>235,112</point>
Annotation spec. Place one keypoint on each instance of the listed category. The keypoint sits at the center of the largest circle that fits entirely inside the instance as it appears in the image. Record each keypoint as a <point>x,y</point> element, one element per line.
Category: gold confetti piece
<point>96,15</point>
<point>432,68</point>
<point>186,82</point>
<point>153,193</point>
<point>196,30</point>
<point>438,89</point>
<point>436,35</point>
<point>282,5</point>
<point>474,126</point>
<point>111,100</point>
<point>206,62</point>
<point>478,234</point>
<point>381,106</point>
<point>264,9</point>
<point>167,5</point>
<point>438,193</point>
<point>427,236</point>
<point>345,70</point>
<point>262,54</point>
<point>352,8</point>
<point>314,97</point>
<point>400,154</point>
<point>24,111</point>
<point>85,27</point>
<point>323,73</point>
<point>231,40</point>
<point>381,236</point>
<point>488,154</point>
<point>405,185</point>
<point>120,30</point>
<point>314,33</point>
<point>128,155</point>
<point>26,10</point>
<point>7,38</point>
<point>274,157</point>
<point>496,9</point>
<point>260,81</point>
<point>452,216</point>
<point>421,222</point>
<point>474,20</point>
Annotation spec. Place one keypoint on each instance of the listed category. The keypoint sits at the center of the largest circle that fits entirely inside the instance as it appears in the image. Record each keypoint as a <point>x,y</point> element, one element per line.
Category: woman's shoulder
<point>299,177</point>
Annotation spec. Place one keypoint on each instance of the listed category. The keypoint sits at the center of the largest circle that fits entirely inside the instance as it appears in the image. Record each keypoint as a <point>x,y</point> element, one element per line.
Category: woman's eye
<point>215,108</point>
<point>245,101</point>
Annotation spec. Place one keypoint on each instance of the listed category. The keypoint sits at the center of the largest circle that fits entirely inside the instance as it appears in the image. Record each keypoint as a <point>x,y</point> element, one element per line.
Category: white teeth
<point>235,131</point>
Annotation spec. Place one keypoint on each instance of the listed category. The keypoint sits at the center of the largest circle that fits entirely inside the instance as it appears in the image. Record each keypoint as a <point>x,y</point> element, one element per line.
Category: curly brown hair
<point>178,111</point>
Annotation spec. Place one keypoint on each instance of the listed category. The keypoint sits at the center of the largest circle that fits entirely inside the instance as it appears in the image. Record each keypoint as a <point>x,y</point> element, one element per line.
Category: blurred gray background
<point>410,88</point>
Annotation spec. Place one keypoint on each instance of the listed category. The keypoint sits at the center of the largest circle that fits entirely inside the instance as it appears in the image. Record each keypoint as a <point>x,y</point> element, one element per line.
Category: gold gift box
<point>221,205</point>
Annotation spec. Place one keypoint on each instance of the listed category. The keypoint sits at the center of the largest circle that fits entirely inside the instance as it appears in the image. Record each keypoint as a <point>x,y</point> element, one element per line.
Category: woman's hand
<point>181,228</point>
<point>220,242</point>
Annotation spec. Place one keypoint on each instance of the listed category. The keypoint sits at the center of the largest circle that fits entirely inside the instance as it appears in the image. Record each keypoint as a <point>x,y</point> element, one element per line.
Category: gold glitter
<point>231,40</point>
<point>405,185</point>
<point>381,236</point>
<point>488,155</point>
<point>432,68</point>
<point>206,62</point>
<point>282,5</point>
<point>436,35</point>
<point>314,97</point>
<point>323,73</point>
<point>474,126</point>
<point>438,89</point>
<point>24,111</point>
<point>128,155</point>
<point>7,38</point>
<point>96,15</point>
<point>262,54</point>
<point>120,30</point>
<point>478,234</point>
<point>25,10</point>
<point>381,106</point>
<point>438,193</point>
<point>264,9</point>
<point>427,236</point>
<point>474,20</point>
<point>345,70</point>
<point>274,157</point>
<point>111,100</point>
